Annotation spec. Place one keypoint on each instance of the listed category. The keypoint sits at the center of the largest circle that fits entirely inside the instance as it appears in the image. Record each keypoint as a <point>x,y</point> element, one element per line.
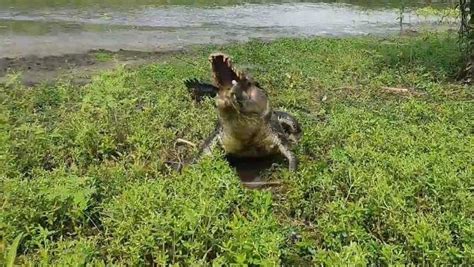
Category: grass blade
<point>12,251</point>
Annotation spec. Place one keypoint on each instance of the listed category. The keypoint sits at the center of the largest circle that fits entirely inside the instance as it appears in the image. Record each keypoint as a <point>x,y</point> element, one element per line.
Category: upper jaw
<point>226,78</point>
<point>223,71</point>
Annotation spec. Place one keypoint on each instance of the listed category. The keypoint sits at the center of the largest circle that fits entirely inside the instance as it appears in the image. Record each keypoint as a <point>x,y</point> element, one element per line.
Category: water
<point>56,27</point>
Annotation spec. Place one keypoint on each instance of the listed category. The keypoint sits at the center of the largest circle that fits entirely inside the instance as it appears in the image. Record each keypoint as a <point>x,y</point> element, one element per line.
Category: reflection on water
<point>61,26</point>
<point>35,4</point>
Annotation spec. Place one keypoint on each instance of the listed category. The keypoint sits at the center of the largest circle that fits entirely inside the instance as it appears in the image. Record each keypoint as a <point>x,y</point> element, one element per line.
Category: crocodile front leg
<point>211,142</point>
<point>206,148</point>
<point>284,149</point>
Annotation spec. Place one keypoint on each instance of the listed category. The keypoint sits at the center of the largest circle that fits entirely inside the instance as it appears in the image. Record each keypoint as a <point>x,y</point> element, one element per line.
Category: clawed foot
<point>293,164</point>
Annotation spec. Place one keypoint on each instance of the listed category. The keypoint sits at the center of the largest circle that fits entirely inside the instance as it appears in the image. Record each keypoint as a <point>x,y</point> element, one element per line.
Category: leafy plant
<point>87,171</point>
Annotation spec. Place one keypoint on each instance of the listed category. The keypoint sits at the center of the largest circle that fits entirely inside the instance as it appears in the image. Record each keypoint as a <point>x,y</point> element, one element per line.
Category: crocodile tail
<point>199,90</point>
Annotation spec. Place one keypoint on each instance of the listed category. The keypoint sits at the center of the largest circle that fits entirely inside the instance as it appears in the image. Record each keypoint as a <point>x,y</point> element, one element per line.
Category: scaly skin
<point>247,127</point>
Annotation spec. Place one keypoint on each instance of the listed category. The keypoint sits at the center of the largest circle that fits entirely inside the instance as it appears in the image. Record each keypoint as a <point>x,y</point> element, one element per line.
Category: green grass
<point>446,12</point>
<point>103,56</point>
<point>384,178</point>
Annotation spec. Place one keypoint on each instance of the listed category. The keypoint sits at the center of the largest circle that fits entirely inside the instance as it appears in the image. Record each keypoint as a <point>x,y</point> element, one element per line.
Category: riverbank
<point>384,176</point>
<point>79,68</point>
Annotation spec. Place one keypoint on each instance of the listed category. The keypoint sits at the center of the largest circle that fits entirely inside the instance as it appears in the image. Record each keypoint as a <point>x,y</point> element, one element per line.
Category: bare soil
<point>79,68</point>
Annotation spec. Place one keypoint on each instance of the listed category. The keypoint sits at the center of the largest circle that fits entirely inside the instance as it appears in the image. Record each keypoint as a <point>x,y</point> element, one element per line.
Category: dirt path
<point>77,67</point>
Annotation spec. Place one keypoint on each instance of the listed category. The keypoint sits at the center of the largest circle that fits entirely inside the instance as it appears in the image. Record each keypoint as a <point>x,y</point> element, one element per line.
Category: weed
<point>384,178</point>
<point>103,56</point>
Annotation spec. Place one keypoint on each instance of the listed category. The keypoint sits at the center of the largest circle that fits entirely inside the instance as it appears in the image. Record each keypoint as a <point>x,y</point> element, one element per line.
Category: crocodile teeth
<point>223,70</point>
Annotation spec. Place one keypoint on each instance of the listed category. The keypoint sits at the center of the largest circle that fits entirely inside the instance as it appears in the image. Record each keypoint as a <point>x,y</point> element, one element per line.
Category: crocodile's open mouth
<point>223,71</point>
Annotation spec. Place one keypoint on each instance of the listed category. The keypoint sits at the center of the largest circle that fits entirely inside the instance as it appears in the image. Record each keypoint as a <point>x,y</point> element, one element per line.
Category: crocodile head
<point>236,90</point>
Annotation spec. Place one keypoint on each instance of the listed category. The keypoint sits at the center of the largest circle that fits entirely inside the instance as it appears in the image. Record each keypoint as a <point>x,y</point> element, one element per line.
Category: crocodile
<point>248,127</point>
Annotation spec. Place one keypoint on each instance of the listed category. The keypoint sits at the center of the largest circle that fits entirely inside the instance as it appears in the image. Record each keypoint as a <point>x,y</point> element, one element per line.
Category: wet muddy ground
<point>79,68</point>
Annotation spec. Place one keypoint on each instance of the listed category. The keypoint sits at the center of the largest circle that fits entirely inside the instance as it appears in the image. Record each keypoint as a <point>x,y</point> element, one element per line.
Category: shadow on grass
<point>253,170</point>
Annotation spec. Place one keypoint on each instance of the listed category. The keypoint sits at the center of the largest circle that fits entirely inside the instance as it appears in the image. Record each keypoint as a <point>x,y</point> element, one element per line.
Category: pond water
<point>52,27</point>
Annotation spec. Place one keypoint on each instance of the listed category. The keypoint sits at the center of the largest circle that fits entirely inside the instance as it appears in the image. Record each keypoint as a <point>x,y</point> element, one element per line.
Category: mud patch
<point>79,68</point>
